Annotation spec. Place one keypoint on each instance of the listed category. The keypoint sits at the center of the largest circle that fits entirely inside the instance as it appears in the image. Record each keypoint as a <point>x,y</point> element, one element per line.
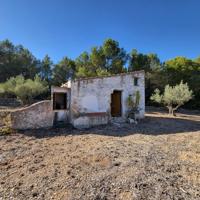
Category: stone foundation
<point>90,119</point>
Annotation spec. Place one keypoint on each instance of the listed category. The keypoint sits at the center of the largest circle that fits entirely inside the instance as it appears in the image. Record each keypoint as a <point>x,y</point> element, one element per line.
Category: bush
<point>6,128</point>
<point>173,97</point>
<point>24,90</point>
<point>133,102</point>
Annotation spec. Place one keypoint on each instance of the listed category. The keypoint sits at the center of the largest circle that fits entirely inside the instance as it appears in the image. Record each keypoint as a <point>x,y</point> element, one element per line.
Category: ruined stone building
<point>93,101</point>
<point>85,102</point>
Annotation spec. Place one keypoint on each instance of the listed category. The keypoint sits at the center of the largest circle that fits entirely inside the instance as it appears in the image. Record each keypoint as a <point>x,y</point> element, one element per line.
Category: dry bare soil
<point>159,158</point>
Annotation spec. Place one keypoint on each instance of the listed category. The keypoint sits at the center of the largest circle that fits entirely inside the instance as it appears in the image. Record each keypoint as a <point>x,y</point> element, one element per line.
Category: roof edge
<point>107,76</point>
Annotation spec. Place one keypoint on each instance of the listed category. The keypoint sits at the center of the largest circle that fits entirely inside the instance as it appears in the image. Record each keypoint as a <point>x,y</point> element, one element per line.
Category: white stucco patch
<point>90,103</point>
<point>61,115</point>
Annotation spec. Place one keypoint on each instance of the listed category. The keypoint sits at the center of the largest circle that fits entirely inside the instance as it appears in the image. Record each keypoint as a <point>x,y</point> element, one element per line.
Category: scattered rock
<point>105,162</point>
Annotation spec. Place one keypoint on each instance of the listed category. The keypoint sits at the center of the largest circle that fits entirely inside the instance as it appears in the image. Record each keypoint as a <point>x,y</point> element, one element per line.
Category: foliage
<point>181,68</point>
<point>16,60</point>
<point>106,59</point>
<point>84,66</point>
<point>154,80</point>
<point>147,62</point>
<point>182,64</point>
<point>137,99</point>
<point>103,60</point>
<point>133,102</point>
<point>46,69</point>
<point>63,71</point>
<point>6,128</point>
<point>173,96</point>
<point>115,56</point>
<point>24,89</point>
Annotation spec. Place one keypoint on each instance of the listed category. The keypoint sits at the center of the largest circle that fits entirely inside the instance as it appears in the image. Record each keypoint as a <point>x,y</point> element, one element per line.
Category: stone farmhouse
<point>85,102</point>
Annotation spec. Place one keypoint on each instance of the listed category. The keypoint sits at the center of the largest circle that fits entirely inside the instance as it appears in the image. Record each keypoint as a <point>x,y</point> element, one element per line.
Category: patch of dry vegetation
<point>5,125</point>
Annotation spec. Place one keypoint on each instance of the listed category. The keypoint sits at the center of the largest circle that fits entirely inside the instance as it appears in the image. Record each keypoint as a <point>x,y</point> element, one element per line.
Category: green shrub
<point>133,102</point>
<point>24,89</point>
<point>173,96</point>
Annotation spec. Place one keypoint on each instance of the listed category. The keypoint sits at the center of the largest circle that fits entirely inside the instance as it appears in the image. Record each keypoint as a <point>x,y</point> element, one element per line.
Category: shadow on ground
<point>153,124</point>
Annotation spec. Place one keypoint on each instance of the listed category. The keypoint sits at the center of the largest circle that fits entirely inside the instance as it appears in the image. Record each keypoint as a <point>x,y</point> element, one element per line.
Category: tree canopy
<point>173,96</point>
<point>63,71</point>
<point>46,69</point>
<point>147,62</point>
<point>105,59</point>
<point>16,60</point>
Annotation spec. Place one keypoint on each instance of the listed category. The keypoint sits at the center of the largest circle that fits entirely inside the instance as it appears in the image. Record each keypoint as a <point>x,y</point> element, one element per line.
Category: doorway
<point>59,101</point>
<point>116,107</point>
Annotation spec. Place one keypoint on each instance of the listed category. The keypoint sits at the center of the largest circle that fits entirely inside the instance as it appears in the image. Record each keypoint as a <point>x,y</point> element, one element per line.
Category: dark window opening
<point>135,81</point>
<point>59,101</point>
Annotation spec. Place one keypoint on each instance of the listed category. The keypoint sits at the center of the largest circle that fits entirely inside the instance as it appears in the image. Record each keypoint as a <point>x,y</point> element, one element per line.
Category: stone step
<point>118,120</point>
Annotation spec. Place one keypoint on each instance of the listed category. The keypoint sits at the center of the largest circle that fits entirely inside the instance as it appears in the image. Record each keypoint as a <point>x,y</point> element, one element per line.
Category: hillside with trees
<point>108,58</point>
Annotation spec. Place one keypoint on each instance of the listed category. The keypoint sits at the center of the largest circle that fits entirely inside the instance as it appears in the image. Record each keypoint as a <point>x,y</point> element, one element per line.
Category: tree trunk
<point>170,109</point>
<point>174,109</point>
<point>173,114</point>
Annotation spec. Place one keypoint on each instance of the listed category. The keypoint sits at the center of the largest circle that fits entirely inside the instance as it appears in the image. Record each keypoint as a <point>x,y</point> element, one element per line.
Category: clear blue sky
<point>68,27</point>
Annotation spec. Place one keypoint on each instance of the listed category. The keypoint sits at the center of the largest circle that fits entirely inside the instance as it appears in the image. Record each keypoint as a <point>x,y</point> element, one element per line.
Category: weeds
<point>6,128</point>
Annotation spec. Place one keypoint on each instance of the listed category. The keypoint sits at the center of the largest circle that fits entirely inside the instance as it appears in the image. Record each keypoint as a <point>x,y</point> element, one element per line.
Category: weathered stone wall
<point>90,120</point>
<point>38,115</point>
<point>62,114</point>
<point>94,94</point>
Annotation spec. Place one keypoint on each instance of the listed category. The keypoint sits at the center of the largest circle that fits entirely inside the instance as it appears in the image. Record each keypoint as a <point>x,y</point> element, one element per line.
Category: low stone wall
<point>90,119</point>
<point>38,115</point>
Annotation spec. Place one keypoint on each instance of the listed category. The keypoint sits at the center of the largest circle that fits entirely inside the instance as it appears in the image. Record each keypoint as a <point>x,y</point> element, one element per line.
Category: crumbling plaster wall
<point>38,115</point>
<point>64,114</point>
<point>94,95</point>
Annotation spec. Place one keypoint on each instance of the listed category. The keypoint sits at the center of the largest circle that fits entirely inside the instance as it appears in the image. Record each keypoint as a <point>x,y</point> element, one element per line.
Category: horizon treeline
<point>108,58</point>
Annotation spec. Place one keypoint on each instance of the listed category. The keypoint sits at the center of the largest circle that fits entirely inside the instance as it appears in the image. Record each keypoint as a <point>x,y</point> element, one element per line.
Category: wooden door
<point>116,104</point>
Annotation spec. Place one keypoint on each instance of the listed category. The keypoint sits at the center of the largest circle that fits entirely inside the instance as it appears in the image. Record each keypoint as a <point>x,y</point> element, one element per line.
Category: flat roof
<point>59,88</point>
<point>107,76</point>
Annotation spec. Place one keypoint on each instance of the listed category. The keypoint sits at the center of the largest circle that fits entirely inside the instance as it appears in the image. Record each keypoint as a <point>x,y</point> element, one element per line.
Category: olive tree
<point>173,96</point>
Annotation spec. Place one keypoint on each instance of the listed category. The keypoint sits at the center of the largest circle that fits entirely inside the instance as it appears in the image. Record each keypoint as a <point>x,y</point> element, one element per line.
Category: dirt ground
<point>159,158</point>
